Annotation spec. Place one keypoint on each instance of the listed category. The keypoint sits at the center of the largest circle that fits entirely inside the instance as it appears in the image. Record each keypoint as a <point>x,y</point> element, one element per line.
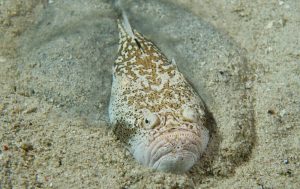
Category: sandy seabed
<point>242,57</point>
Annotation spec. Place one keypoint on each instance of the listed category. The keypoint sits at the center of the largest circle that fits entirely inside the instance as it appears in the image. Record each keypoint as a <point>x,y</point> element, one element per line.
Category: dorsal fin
<point>127,26</point>
<point>123,24</point>
<point>126,31</point>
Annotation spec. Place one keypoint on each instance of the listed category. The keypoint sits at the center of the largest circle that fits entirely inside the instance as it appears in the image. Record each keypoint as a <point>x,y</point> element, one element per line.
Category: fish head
<point>170,141</point>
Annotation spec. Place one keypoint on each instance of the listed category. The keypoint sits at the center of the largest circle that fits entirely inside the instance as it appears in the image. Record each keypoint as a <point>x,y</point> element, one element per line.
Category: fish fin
<point>128,29</point>
<point>173,62</point>
<point>126,25</point>
<point>123,23</point>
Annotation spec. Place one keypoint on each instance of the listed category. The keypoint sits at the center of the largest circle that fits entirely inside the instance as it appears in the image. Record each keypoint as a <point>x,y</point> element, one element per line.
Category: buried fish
<point>153,109</point>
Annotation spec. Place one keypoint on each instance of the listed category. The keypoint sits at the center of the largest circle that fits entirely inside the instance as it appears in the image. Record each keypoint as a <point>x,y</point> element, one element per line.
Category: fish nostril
<point>179,147</point>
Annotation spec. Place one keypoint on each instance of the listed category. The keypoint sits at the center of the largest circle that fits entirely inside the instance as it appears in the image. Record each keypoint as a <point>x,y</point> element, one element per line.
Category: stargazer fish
<point>153,110</point>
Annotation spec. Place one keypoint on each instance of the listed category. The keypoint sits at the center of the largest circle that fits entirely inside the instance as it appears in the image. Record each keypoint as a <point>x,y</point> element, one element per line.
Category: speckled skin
<point>153,109</point>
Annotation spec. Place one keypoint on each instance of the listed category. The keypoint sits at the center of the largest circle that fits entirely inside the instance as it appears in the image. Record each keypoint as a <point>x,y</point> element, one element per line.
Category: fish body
<point>153,110</point>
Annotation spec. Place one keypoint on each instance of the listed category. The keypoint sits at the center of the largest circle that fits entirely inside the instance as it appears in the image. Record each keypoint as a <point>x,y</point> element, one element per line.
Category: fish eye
<point>151,120</point>
<point>190,114</point>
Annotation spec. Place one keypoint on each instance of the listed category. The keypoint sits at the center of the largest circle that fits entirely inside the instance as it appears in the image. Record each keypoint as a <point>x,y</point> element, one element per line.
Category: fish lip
<point>189,148</point>
<point>160,151</point>
<point>181,162</point>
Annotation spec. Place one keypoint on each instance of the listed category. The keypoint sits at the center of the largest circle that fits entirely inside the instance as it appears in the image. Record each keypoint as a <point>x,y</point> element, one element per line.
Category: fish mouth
<point>175,151</point>
<point>176,162</point>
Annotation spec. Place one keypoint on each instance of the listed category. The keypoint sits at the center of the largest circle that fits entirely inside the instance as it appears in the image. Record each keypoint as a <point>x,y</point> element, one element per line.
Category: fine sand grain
<point>242,57</point>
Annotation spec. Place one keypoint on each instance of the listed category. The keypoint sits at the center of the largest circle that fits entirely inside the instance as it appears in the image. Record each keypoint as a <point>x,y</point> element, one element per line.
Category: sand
<point>242,57</point>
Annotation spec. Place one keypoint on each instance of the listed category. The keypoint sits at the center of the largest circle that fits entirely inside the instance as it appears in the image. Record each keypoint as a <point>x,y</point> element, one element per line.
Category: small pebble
<point>26,147</point>
<point>31,110</point>
<point>2,59</point>
<point>5,147</point>
<point>271,112</point>
<point>280,3</point>
<point>282,113</point>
